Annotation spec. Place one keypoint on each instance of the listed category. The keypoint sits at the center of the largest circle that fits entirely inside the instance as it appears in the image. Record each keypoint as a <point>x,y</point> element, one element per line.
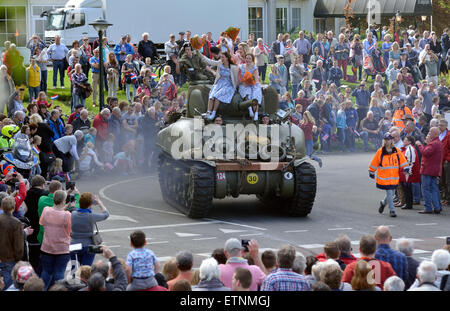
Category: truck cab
<point>72,22</point>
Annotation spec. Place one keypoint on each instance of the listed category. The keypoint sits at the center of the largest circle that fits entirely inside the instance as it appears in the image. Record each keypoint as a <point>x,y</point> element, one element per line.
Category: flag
<point>325,137</point>
<point>67,176</point>
<point>267,48</point>
<point>315,81</point>
<point>54,97</point>
<point>133,76</point>
<point>36,150</point>
<point>153,75</point>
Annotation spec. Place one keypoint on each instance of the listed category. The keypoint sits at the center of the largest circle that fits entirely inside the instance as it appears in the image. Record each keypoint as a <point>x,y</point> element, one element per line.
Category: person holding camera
<point>56,222</point>
<point>430,60</point>
<point>83,220</point>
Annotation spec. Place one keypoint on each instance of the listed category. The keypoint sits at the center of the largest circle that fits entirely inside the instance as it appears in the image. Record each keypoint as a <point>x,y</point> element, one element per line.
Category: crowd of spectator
<point>406,99</point>
<point>237,266</point>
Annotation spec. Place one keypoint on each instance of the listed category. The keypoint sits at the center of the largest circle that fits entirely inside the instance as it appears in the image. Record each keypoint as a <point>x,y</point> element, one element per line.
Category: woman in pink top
<point>55,245</point>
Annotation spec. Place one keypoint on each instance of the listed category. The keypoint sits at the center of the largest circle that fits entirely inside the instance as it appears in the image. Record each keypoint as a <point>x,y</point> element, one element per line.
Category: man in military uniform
<point>193,65</point>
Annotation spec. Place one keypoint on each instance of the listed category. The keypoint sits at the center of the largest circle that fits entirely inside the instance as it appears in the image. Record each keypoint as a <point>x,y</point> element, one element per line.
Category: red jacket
<point>20,196</point>
<point>446,147</point>
<point>72,117</point>
<point>431,158</point>
<point>207,49</point>
<point>347,259</point>
<point>415,176</point>
<point>156,288</point>
<point>102,126</point>
<point>383,270</point>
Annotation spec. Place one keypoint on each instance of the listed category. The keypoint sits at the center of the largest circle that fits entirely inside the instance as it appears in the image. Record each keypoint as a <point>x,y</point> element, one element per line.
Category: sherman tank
<point>201,161</point>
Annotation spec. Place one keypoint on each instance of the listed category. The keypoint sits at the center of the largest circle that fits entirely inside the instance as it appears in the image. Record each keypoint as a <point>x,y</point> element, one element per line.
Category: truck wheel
<point>200,191</point>
<point>305,191</point>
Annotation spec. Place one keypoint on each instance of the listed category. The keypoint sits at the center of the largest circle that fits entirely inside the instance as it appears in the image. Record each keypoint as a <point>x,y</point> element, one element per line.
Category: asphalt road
<point>346,202</point>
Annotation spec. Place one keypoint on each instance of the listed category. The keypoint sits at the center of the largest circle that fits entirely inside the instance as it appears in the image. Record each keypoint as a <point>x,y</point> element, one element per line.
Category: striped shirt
<point>397,260</point>
<point>285,280</point>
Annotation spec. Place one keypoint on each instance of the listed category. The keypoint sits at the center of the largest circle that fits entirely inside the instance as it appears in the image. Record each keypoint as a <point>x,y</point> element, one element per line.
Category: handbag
<point>96,238</point>
<point>47,158</point>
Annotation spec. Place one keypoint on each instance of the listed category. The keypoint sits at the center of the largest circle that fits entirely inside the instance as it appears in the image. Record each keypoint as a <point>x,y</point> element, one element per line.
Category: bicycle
<point>159,65</point>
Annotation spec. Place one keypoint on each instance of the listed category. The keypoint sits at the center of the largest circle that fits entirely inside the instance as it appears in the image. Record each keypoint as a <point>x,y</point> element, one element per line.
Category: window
<point>281,20</point>
<point>296,18</point>
<point>255,22</point>
<point>13,24</point>
<point>321,25</point>
<point>39,22</point>
<point>75,20</point>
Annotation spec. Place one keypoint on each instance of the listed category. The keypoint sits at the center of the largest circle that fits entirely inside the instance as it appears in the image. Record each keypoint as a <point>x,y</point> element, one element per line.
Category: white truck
<point>157,17</point>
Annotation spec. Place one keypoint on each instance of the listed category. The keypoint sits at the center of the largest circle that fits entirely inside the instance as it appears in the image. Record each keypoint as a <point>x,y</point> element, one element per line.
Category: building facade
<point>20,19</point>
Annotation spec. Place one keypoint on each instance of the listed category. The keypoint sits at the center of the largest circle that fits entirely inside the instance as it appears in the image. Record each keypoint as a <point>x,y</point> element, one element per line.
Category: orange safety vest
<point>397,118</point>
<point>387,167</point>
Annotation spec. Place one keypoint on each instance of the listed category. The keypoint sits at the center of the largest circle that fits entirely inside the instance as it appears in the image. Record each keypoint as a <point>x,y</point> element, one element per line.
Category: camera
<point>245,244</point>
<point>70,198</point>
<point>70,185</point>
<point>95,249</point>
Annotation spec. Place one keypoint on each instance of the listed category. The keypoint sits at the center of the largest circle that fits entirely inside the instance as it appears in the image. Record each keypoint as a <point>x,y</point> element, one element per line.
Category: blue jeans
<point>34,92</point>
<point>53,268</point>
<point>294,90</point>
<point>44,81</point>
<point>431,194</point>
<point>309,149</point>
<point>417,192</point>
<point>5,271</point>
<point>365,137</point>
<point>127,91</point>
<point>77,99</point>
<point>83,257</point>
<point>58,65</point>
<point>341,136</point>
<point>389,199</point>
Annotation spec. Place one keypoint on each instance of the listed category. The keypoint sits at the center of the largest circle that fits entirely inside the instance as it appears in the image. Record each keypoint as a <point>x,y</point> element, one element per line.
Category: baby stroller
<point>374,64</point>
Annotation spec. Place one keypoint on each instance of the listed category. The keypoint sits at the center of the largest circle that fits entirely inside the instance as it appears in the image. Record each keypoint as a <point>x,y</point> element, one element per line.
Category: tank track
<point>305,191</point>
<point>186,185</point>
<point>300,205</point>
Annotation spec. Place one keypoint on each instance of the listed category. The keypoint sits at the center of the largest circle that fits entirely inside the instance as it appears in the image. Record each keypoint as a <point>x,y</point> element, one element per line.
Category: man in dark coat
<point>33,194</point>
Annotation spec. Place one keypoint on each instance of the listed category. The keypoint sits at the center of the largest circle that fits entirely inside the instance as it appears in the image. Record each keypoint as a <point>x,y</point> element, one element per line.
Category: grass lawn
<point>64,94</point>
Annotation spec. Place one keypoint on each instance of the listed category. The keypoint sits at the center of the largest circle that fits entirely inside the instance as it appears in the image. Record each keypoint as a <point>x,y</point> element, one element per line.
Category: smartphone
<point>95,249</point>
<point>70,185</point>
<point>245,244</point>
<point>448,240</point>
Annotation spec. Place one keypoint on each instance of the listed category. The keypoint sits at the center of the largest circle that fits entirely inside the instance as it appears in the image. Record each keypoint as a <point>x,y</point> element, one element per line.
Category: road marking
<point>159,242</point>
<point>357,255</point>
<point>103,195</point>
<point>420,251</point>
<point>118,217</point>
<point>427,224</point>
<point>311,246</point>
<point>441,237</point>
<point>204,254</point>
<point>184,235</point>
<point>231,230</point>
<point>235,224</point>
<point>161,226</point>
<point>384,225</point>
<point>201,239</point>
<point>355,242</point>
<point>295,231</point>
<point>164,258</point>
<point>333,229</point>
<point>113,246</point>
<point>251,234</point>
<point>410,239</point>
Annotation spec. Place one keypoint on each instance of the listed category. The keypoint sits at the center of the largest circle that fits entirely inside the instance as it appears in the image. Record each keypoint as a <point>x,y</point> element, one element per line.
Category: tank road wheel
<point>164,170</point>
<point>305,191</point>
<point>200,192</point>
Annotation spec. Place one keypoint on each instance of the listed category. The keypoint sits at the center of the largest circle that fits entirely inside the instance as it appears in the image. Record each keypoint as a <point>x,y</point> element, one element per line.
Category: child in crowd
<point>36,141</point>
<point>89,156</point>
<point>124,160</point>
<point>56,170</point>
<point>143,263</point>
<point>435,107</point>
<point>417,110</point>
<point>168,70</point>
<point>90,136</point>
<point>108,150</point>
<point>69,129</point>
<point>42,99</point>
<point>148,64</point>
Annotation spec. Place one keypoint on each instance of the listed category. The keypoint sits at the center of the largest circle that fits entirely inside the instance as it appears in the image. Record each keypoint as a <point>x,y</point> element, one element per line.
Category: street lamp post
<point>100,25</point>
